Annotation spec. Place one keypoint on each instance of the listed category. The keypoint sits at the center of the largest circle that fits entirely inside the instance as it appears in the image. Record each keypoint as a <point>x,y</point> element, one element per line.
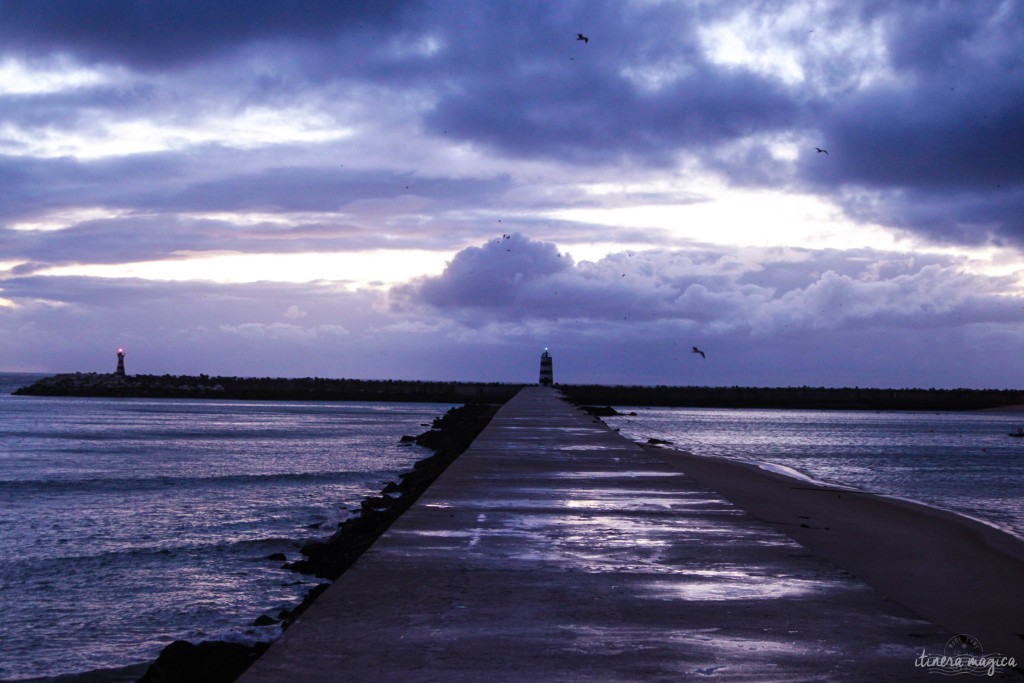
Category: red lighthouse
<point>120,363</point>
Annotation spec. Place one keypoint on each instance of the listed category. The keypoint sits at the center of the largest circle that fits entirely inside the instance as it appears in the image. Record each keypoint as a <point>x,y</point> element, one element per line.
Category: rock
<point>600,411</point>
<point>277,557</point>
<point>431,439</point>
<point>377,503</point>
<point>329,558</point>
<point>211,662</point>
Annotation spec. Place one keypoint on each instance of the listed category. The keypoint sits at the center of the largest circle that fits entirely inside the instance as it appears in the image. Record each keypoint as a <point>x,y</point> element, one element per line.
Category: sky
<point>441,190</point>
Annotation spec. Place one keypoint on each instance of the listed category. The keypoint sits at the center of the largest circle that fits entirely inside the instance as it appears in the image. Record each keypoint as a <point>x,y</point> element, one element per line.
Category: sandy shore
<point>959,573</point>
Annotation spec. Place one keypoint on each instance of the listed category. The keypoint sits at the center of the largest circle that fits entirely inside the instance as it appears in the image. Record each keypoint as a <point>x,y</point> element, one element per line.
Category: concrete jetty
<point>556,550</point>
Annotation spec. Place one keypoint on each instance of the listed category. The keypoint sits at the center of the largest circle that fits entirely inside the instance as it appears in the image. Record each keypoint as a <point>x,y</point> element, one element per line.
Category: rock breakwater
<point>222,662</point>
<point>267,388</point>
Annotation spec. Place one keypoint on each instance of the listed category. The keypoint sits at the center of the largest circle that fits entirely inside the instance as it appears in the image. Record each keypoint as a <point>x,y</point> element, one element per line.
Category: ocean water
<point>960,461</point>
<point>126,524</point>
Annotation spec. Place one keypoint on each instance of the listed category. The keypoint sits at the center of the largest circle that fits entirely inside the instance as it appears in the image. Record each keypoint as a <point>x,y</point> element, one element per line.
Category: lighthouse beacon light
<point>546,373</point>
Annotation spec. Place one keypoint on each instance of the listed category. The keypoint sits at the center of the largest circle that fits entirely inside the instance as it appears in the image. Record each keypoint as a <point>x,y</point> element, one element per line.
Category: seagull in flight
<point>821,151</point>
<point>696,350</point>
<point>580,36</point>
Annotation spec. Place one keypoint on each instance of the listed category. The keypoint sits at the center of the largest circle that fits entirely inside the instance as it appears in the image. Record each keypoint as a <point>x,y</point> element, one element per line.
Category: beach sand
<point>957,572</point>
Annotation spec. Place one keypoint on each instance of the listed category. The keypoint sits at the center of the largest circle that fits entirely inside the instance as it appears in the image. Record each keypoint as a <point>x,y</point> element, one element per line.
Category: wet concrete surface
<point>556,550</point>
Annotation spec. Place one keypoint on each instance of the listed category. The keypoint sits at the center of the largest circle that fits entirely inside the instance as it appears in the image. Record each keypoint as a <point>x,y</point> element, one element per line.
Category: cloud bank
<point>138,133</point>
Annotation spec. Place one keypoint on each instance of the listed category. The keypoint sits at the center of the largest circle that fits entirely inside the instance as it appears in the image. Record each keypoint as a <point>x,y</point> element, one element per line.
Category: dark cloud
<point>39,112</point>
<point>32,186</point>
<point>754,293</point>
<point>950,216</point>
<point>320,189</point>
<point>938,143</point>
<point>938,125</point>
<point>635,91</point>
<point>156,194</point>
<point>154,34</point>
<point>491,275</point>
<point>425,124</point>
<point>213,178</point>
<point>605,119</point>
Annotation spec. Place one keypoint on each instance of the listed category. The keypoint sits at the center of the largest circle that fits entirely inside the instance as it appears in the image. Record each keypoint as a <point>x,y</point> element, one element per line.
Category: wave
<point>134,433</point>
<point>252,548</point>
<point>151,483</point>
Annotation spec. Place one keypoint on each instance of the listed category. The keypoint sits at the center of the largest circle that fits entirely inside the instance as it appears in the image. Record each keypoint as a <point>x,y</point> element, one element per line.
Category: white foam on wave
<point>250,635</point>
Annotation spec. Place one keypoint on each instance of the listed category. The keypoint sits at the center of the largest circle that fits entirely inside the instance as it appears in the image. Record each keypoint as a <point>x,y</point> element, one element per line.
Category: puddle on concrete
<point>608,474</point>
<point>560,430</point>
<point>721,586</point>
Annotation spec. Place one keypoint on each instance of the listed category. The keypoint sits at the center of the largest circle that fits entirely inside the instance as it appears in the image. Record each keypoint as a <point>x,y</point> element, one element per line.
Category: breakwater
<point>221,661</point>
<point>817,398</point>
<point>267,388</point>
<point>556,549</point>
<point>323,389</point>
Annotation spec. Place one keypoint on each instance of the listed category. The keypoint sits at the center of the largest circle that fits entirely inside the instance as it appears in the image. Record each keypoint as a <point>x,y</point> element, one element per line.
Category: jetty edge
<point>955,571</point>
<point>556,549</point>
<point>222,661</point>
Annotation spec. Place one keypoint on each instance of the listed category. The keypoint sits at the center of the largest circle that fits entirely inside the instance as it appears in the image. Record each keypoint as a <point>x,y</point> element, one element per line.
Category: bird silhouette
<point>821,151</point>
<point>580,36</point>
<point>696,350</point>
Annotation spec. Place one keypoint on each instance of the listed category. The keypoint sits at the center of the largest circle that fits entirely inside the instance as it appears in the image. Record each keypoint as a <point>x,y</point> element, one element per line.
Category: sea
<point>965,462</point>
<point>126,524</point>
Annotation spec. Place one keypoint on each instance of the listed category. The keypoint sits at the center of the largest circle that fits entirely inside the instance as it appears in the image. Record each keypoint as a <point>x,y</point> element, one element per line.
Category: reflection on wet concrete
<point>556,550</point>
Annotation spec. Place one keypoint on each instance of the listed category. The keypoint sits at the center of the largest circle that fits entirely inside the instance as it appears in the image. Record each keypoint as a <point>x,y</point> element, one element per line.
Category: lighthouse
<point>120,363</point>
<point>546,377</point>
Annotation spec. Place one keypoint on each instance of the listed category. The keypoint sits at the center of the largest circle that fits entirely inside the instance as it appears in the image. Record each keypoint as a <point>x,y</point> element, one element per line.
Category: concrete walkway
<point>556,550</point>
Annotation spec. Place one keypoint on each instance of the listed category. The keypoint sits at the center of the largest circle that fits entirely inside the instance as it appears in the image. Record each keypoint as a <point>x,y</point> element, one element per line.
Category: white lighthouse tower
<point>546,376</point>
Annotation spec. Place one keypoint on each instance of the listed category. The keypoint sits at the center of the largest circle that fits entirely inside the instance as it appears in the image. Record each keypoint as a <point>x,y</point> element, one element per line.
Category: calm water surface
<point>128,523</point>
<point>959,461</point>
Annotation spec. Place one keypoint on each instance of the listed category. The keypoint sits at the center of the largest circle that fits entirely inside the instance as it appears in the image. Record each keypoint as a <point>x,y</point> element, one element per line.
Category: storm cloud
<point>627,171</point>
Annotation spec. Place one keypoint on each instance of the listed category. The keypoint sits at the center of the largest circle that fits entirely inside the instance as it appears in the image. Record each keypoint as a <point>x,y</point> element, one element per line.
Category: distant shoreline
<point>802,398</point>
<point>322,389</point>
<point>267,388</point>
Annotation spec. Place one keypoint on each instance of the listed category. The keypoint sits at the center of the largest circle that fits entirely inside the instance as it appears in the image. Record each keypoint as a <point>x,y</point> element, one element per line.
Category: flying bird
<point>696,350</point>
<point>580,36</point>
<point>821,151</point>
